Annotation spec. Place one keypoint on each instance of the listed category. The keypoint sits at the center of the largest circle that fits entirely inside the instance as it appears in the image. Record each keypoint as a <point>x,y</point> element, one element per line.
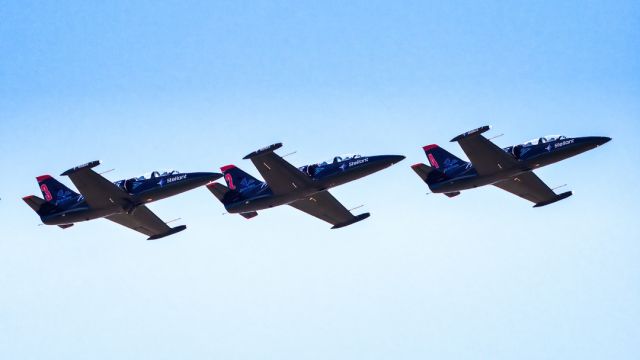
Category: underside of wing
<point>325,207</point>
<point>97,191</point>
<point>281,176</point>
<point>529,186</point>
<point>145,221</point>
<point>486,157</point>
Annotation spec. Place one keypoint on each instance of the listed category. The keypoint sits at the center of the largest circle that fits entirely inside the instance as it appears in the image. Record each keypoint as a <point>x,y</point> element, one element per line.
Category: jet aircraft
<point>122,202</point>
<point>303,188</point>
<point>510,169</point>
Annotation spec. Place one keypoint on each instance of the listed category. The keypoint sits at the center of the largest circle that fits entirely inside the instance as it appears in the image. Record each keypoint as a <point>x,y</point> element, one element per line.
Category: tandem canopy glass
<point>516,151</point>
<point>155,174</point>
<point>339,158</point>
<point>129,185</point>
<point>544,139</point>
<point>311,169</point>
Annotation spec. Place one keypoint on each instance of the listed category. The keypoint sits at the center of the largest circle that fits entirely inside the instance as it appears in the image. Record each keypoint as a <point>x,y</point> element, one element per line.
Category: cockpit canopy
<point>544,139</point>
<point>313,169</point>
<point>339,158</point>
<point>155,174</point>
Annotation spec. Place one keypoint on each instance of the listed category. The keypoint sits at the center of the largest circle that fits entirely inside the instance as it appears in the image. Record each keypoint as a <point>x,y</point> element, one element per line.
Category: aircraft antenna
<point>357,207</point>
<point>558,187</point>
<point>170,221</point>
<point>104,172</point>
<point>291,153</point>
<point>497,136</point>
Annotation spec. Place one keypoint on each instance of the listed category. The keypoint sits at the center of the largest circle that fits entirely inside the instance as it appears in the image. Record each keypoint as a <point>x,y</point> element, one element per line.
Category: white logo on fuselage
<point>176,178</point>
<point>358,162</point>
<point>566,142</point>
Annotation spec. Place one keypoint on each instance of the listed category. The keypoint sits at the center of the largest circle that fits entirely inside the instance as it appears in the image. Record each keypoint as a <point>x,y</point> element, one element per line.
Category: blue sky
<point>197,85</point>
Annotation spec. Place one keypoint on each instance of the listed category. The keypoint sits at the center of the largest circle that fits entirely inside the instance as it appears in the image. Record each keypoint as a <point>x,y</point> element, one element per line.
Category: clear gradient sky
<point>196,85</point>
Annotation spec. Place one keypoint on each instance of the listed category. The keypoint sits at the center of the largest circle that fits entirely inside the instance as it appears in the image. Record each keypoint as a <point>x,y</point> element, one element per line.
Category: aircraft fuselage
<point>74,208</point>
<point>529,158</point>
<point>323,176</point>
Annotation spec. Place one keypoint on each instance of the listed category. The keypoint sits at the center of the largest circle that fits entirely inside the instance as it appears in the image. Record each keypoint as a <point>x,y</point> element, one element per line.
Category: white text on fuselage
<point>176,178</point>
<point>563,143</point>
<point>358,162</point>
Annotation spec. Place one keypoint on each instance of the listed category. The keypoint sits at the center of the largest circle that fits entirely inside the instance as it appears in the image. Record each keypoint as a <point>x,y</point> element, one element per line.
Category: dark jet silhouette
<point>303,188</point>
<point>510,169</point>
<point>122,202</point>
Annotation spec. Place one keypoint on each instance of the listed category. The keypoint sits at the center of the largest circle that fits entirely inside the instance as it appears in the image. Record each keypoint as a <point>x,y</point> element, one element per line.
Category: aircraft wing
<point>281,176</point>
<point>529,186</point>
<point>97,191</point>
<point>145,221</point>
<point>325,207</point>
<point>486,157</point>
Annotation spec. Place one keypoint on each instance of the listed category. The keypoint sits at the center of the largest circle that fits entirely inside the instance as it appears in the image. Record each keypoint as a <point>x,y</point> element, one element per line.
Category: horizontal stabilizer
<point>88,165</point>
<point>558,197</point>
<point>422,170</point>
<point>249,215</point>
<point>428,174</point>
<point>352,221</point>
<point>471,133</point>
<point>170,232</point>
<point>34,202</point>
<point>264,150</point>
<point>218,190</point>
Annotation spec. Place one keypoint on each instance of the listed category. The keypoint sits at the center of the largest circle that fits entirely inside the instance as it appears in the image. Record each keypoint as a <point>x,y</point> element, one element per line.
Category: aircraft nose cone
<point>213,176</point>
<point>206,176</point>
<point>603,140</point>
<point>396,158</point>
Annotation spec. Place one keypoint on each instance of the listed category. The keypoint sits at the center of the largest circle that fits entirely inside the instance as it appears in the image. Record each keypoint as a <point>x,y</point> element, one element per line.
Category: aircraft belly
<point>341,179</point>
<point>266,202</point>
<point>457,185</point>
<point>345,177</point>
<point>544,160</point>
<point>255,204</point>
<point>471,182</point>
<point>166,191</point>
<point>76,216</point>
<point>556,155</point>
